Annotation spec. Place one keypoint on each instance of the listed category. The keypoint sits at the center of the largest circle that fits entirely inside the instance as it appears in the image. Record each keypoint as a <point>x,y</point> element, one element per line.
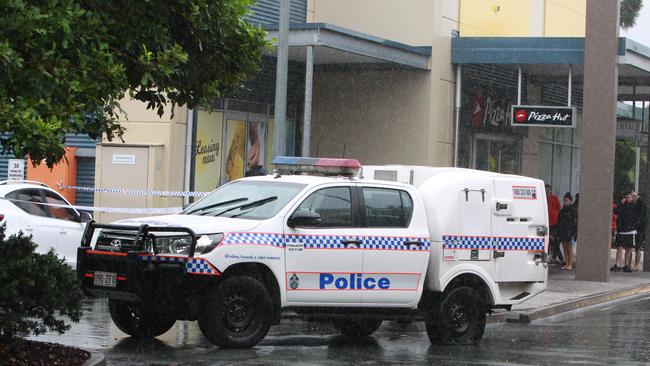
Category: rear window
<point>386,207</point>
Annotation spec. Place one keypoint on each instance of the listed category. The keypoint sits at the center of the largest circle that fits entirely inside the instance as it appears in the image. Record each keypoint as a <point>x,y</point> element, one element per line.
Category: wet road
<point>618,334</point>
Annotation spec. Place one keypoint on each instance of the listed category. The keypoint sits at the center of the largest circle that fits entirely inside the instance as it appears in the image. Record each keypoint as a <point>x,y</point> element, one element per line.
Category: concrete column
<point>598,139</point>
<point>646,196</point>
<point>309,79</point>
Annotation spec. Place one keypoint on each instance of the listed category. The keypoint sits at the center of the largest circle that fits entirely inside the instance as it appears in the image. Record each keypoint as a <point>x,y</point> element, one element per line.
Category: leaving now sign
<point>543,116</point>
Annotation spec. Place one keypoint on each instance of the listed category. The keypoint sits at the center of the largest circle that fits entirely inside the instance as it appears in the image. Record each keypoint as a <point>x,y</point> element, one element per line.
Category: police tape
<point>126,210</point>
<point>140,192</point>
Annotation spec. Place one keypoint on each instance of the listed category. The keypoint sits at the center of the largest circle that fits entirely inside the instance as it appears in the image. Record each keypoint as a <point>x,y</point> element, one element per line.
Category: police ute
<point>329,240</point>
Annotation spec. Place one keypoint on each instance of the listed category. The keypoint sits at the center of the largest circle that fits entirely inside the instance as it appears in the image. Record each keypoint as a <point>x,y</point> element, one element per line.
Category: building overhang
<point>544,57</point>
<point>336,46</point>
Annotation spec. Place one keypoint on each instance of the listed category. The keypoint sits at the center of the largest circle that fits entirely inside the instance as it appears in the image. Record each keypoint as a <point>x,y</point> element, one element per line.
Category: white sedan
<point>22,209</point>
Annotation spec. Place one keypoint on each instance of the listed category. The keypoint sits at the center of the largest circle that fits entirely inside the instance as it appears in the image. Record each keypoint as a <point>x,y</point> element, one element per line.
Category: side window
<point>61,213</point>
<point>334,205</point>
<point>27,200</point>
<point>387,207</point>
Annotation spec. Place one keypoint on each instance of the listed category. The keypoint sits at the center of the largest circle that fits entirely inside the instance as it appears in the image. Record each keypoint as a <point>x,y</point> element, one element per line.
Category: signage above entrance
<point>543,116</point>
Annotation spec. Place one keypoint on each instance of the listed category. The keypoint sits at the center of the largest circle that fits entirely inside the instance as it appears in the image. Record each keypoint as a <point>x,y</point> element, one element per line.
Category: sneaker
<point>627,269</point>
<point>615,268</point>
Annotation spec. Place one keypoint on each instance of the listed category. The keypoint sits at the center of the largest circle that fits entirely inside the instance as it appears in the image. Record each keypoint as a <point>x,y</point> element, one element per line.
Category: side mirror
<point>85,216</point>
<point>304,218</point>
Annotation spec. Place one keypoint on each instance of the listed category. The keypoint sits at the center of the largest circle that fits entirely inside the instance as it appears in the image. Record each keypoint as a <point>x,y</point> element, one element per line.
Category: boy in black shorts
<point>626,224</point>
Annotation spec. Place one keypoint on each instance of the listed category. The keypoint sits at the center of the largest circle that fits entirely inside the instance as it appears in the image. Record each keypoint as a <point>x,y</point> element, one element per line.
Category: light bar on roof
<point>322,166</point>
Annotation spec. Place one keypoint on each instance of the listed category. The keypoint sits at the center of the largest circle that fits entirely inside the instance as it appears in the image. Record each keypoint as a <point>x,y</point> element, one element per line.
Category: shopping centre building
<point>420,82</point>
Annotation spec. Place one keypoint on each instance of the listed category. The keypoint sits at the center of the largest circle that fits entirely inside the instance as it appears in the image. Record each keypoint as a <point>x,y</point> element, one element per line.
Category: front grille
<point>118,242</point>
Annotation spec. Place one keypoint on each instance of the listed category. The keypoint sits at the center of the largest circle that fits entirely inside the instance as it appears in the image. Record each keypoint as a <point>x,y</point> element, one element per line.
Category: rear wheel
<point>138,320</point>
<point>357,327</point>
<point>458,319</point>
<point>238,314</point>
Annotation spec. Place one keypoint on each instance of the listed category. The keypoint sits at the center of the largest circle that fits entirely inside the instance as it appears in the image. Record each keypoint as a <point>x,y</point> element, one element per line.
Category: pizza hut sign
<point>543,116</point>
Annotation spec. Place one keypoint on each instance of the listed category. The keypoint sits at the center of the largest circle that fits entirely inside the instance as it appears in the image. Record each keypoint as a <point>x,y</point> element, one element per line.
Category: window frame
<point>354,207</point>
<point>362,206</point>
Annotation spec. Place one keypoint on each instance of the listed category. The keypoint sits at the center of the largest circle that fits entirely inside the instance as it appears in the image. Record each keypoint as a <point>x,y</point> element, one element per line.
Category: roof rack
<point>6,182</point>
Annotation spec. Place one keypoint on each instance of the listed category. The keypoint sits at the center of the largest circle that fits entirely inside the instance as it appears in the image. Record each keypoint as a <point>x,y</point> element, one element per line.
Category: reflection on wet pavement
<point>614,335</point>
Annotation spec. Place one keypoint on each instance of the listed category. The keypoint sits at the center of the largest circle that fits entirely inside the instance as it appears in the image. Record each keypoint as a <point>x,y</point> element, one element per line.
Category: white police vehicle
<point>445,246</point>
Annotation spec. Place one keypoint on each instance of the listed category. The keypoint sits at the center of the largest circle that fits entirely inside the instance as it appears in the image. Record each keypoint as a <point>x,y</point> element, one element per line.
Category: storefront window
<point>229,145</point>
<point>495,154</point>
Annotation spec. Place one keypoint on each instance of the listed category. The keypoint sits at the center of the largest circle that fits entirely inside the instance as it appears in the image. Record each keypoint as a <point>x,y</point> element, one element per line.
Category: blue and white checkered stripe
<point>467,242</point>
<point>321,241</point>
<point>328,241</point>
<point>192,265</point>
<point>395,243</point>
<point>493,243</point>
<point>525,244</point>
<point>276,240</point>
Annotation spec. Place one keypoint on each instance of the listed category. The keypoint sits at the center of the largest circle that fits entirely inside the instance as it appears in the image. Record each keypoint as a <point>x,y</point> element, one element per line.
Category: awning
<point>334,45</point>
<point>544,56</point>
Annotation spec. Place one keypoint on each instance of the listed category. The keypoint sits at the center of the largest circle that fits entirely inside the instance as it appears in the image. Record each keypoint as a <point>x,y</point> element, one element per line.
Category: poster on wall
<point>256,149</point>
<point>207,151</point>
<point>235,149</point>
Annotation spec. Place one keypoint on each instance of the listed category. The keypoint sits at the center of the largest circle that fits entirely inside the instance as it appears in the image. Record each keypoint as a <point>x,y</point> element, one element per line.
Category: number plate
<point>106,279</point>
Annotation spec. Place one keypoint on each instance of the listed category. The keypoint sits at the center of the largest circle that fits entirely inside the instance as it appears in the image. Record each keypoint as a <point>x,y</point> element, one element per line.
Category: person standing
<point>626,225</point>
<point>641,214</point>
<point>553,204</point>
<point>566,229</point>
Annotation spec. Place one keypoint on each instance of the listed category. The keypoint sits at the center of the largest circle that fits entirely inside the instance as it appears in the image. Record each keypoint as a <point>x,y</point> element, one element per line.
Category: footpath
<point>565,294</point>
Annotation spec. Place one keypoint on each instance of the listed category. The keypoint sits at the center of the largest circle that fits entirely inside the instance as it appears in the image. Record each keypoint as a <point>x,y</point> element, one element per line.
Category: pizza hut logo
<point>477,111</point>
<point>521,115</point>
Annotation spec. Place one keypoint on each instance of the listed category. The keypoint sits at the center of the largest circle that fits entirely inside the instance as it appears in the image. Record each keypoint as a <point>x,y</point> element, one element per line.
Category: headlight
<point>173,244</point>
<point>181,244</point>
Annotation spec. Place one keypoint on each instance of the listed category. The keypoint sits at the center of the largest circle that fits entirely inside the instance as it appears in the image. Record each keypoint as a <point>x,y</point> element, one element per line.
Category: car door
<point>324,260</point>
<point>69,225</point>
<point>37,223</point>
<point>396,246</point>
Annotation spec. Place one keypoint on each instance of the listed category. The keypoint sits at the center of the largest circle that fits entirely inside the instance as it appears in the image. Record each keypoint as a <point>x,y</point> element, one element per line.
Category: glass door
<point>497,154</point>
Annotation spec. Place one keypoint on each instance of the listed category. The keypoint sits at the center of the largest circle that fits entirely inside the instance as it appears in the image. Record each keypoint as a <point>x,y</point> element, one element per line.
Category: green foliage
<point>624,169</point>
<point>65,64</point>
<point>35,288</point>
<point>629,12</point>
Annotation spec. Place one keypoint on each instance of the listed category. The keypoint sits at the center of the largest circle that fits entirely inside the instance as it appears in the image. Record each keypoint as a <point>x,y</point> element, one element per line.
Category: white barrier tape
<point>127,210</point>
<point>140,192</point>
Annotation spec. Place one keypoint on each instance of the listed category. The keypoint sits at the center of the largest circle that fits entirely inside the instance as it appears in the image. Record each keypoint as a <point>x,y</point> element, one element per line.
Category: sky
<point>641,31</point>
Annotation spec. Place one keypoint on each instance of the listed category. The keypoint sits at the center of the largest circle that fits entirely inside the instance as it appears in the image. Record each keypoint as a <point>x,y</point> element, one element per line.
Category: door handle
<point>62,231</point>
<point>351,243</point>
<point>409,243</point>
<point>29,228</point>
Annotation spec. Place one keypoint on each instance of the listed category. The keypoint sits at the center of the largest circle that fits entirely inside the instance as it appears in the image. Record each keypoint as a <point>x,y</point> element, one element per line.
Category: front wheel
<point>357,327</point>
<point>237,314</point>
<point>138,320</point>
<point>459,318</point>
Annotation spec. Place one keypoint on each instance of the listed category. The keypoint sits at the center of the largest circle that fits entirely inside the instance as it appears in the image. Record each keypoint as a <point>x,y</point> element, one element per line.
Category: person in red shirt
<point>553,203</point>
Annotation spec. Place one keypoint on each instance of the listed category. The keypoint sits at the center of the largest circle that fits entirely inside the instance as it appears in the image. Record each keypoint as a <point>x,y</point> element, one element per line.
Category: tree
<point>629,12</point>
<point>65,64</point>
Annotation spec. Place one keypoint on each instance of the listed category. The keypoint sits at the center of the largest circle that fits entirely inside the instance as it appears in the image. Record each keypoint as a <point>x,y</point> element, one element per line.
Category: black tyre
<point>139,320</point>
<point>357,327</point>
<point>458,319</point>
<point>238,314</point>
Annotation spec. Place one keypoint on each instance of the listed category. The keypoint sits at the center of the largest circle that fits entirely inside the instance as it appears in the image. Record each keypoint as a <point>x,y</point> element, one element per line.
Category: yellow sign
<point>235,143</point>
<point>208,151</point>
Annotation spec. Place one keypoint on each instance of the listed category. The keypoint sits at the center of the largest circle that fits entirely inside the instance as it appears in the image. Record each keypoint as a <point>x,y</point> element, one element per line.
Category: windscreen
<point>254,200</point>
